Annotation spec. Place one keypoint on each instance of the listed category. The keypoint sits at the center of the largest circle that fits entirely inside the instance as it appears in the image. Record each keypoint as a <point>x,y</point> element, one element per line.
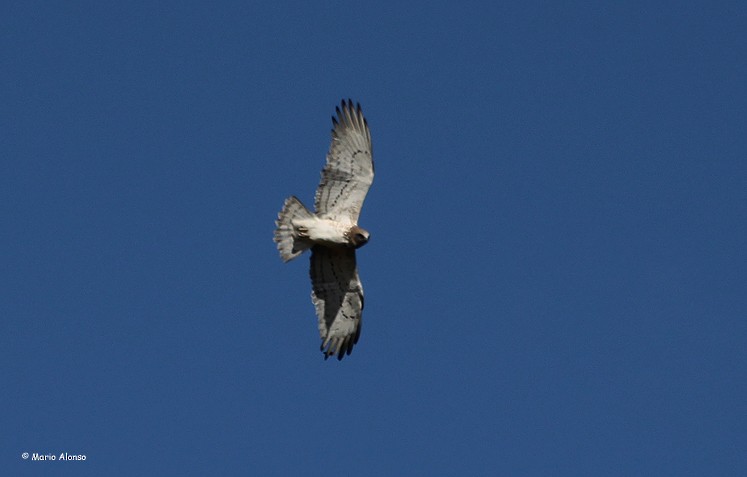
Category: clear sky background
<point>556,282</point>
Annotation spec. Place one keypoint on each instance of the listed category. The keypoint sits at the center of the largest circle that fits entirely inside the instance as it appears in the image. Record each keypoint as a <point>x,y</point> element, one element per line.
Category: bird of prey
<point>332,233</point>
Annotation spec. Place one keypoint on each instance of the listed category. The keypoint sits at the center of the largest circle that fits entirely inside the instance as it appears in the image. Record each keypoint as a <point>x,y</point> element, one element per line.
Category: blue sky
<point>556,282</point>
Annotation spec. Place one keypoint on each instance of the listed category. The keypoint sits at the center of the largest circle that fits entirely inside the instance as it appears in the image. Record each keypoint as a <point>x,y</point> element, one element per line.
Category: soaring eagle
<point>332,233</point>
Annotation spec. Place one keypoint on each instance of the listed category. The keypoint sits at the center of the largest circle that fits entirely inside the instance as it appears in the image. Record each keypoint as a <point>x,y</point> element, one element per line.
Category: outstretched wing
<point>337,295</point>
<point>349,171</point>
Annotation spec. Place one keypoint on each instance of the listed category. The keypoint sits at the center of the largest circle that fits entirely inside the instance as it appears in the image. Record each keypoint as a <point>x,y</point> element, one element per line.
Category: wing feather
<point>337,295</point>
<point>349,171</point>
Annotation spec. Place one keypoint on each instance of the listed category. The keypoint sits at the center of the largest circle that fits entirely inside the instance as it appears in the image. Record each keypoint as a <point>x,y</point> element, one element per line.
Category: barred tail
<point>290,245</point>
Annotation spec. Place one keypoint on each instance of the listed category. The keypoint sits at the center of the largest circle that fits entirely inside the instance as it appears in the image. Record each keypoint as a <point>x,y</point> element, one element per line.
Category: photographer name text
<point>54,457</point>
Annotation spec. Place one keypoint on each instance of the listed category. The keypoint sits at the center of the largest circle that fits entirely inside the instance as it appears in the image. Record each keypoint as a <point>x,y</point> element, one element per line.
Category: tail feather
<point>290,245</point>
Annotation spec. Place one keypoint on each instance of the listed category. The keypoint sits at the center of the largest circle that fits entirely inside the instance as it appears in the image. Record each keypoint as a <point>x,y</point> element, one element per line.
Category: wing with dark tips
<point>337,295</point>
<point>349,171</point>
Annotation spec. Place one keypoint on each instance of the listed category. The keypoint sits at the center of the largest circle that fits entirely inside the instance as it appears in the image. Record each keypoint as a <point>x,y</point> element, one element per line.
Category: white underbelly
<point>323,231</point>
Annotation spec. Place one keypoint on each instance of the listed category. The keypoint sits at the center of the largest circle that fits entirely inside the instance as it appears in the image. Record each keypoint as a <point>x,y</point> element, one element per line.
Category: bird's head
<point>357,237</point>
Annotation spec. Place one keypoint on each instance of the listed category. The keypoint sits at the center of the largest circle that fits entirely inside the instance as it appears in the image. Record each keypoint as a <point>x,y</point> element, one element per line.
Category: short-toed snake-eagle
<point>332,233</point>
